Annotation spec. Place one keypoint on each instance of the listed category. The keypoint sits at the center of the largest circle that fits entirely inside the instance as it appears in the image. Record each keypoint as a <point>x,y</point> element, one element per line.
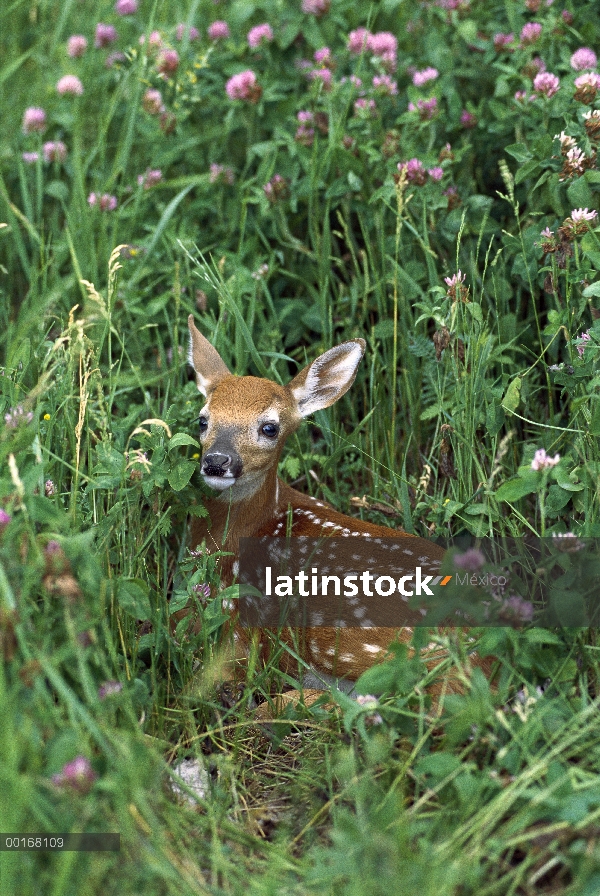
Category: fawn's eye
<point>202,423</point>
<point>270,430</point>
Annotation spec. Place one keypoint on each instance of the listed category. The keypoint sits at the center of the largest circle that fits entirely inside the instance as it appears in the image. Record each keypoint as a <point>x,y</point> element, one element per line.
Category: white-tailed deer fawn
<point>243,427</point>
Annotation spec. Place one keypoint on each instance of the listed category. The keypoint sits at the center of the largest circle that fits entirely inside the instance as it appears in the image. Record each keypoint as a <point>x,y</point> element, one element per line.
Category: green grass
<point>494,791</point>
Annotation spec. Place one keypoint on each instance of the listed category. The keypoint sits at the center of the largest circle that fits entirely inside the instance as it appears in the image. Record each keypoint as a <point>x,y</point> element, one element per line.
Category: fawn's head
<point>246,419</point>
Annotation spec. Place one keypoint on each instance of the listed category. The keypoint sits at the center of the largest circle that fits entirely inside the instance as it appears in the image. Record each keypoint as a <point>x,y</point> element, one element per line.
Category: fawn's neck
<point>232,519</point>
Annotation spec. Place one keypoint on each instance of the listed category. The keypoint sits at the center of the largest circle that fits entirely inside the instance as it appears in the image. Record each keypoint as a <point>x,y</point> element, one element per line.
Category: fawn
<point>244,424</point>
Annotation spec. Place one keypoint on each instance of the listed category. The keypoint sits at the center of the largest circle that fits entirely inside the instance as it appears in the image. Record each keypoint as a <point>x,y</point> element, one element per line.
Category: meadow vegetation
<point>294,173</point>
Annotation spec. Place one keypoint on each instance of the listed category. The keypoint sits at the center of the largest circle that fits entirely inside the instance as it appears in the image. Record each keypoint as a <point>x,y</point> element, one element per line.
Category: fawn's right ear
<point>206,361</point>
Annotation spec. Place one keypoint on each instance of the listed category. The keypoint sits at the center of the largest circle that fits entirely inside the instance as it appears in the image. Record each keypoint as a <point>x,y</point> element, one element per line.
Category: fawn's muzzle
<point>218,465</point>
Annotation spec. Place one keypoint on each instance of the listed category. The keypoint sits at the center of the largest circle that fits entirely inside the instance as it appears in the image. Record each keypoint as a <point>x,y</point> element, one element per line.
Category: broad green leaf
<point>132,597</point>
<point>541,636</point>
<point>557,499</point>
<point>57,190</point>
<point>494,418</point>
<point>475,311</point>
<point>519,152</point>
<point>580,194</point>
<point>181,474</point>
<point>564,480</point>
<point>512,397</point>
<point>527,170</point>
<point>592,290</point>
<point>440,765</point>
<point>517,488</point>
<point>467,30</point>
<point>182,438</point>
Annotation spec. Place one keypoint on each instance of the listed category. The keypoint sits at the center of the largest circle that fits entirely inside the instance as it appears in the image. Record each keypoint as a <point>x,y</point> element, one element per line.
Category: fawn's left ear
<point>206,361</point>
<point>328,377</point>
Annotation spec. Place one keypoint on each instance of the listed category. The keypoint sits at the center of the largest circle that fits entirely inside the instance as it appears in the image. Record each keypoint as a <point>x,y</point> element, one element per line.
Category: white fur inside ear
<point>328,378</point>
<point>201,382</point>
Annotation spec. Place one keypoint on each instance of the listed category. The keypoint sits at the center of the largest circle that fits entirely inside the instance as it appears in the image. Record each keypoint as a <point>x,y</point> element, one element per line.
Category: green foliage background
<point>492,791</point>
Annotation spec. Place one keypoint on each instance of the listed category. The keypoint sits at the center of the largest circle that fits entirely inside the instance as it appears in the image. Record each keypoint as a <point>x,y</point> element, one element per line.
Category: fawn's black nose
<point>216,464</point>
